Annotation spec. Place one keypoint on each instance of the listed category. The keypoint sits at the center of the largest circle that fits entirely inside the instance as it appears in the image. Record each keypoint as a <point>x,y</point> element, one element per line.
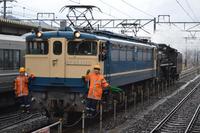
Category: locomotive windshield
<point>82,48</point>
<point>37,48</point>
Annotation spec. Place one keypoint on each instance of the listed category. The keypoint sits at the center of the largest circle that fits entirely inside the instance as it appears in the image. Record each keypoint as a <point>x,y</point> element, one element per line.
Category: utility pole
<point>4,7</point>
<point>186,52</point>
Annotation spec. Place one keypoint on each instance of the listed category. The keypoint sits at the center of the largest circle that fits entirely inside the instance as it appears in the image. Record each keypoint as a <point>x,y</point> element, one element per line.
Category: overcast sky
<point>115,8</point>
<point>122,9</point>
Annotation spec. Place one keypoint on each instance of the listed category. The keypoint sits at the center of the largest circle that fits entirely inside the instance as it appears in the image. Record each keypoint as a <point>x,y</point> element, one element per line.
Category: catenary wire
<point>184,10</point>
<point>189,6</point>
<point>115,8</point>
<point>136,8</point>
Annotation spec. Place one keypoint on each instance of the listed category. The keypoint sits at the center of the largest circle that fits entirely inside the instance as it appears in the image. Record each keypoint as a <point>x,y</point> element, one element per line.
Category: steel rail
<point>19,121</point>
<point>194,118</point>
<point>189,72</point>
<point>9,115</point>
<point>5,118</point>
<point>158,127</point>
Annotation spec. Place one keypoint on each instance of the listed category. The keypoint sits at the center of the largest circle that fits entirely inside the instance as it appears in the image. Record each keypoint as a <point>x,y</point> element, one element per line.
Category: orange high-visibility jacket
<point>97,83</point>
<point>21,86</point>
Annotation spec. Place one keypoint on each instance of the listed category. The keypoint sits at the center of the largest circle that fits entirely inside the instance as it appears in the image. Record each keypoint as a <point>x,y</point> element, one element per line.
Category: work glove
<point>109,87</point>
<point>83,78</point>
<point>88,71</point>
<point>32,76</point>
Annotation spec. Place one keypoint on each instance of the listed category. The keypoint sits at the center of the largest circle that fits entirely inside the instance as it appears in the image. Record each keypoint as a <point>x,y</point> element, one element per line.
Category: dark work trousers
<point>24,102</point>
<point>91,106</point>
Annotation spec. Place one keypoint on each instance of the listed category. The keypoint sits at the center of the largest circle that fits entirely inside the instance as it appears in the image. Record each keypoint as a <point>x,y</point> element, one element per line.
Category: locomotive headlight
<point>39,34</point>
<point>77,34</point>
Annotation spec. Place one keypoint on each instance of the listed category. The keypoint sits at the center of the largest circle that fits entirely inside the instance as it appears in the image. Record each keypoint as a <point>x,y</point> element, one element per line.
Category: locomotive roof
<point>61,34</point>
<point>102,35</point>
<point>162,46</point>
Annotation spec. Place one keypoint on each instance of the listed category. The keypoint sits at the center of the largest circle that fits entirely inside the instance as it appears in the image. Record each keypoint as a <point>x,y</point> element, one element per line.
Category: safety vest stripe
<point>20,86</point>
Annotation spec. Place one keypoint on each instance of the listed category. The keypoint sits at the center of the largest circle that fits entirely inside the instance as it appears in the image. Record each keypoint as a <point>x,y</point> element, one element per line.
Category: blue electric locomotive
<point>60,58</point>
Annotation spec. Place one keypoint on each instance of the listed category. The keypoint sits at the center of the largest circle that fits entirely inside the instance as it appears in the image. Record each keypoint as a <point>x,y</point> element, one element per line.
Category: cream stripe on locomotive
<point>131,72</point>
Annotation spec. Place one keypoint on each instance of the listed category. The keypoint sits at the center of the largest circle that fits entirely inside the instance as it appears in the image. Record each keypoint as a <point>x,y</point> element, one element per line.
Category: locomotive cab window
<point>57,47</point>
<point>37,48</point>
<point>103,51</point>
<point>82,48</point>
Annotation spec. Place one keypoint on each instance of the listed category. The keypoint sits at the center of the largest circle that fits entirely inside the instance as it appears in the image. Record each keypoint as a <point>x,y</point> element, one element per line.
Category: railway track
<point>179,118</point>
<point>189,72</point>
<point>18,122</point>
<point>108,121</point>
<point>194,125</point>
<point>25,122</point>
<point>13,119</point>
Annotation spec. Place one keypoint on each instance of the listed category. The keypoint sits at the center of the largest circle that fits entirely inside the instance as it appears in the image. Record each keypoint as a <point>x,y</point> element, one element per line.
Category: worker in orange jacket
<point>97,84</point>
<point>21,89</point>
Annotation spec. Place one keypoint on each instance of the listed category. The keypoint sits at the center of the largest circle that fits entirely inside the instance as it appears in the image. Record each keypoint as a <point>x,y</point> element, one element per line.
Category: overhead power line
<point>185,10</point>
<point>137,8</point>
<point>188,4</point>
<point>15,5</point>
<point>28,7</point>
<point>115,8</point>
<point>75,1</point>
<point>20,14</point>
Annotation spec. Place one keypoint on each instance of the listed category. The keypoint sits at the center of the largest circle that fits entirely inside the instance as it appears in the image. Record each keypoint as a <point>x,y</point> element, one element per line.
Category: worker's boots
<point>90,112</point>
<point>27,108</point>
<point>22,108</point>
